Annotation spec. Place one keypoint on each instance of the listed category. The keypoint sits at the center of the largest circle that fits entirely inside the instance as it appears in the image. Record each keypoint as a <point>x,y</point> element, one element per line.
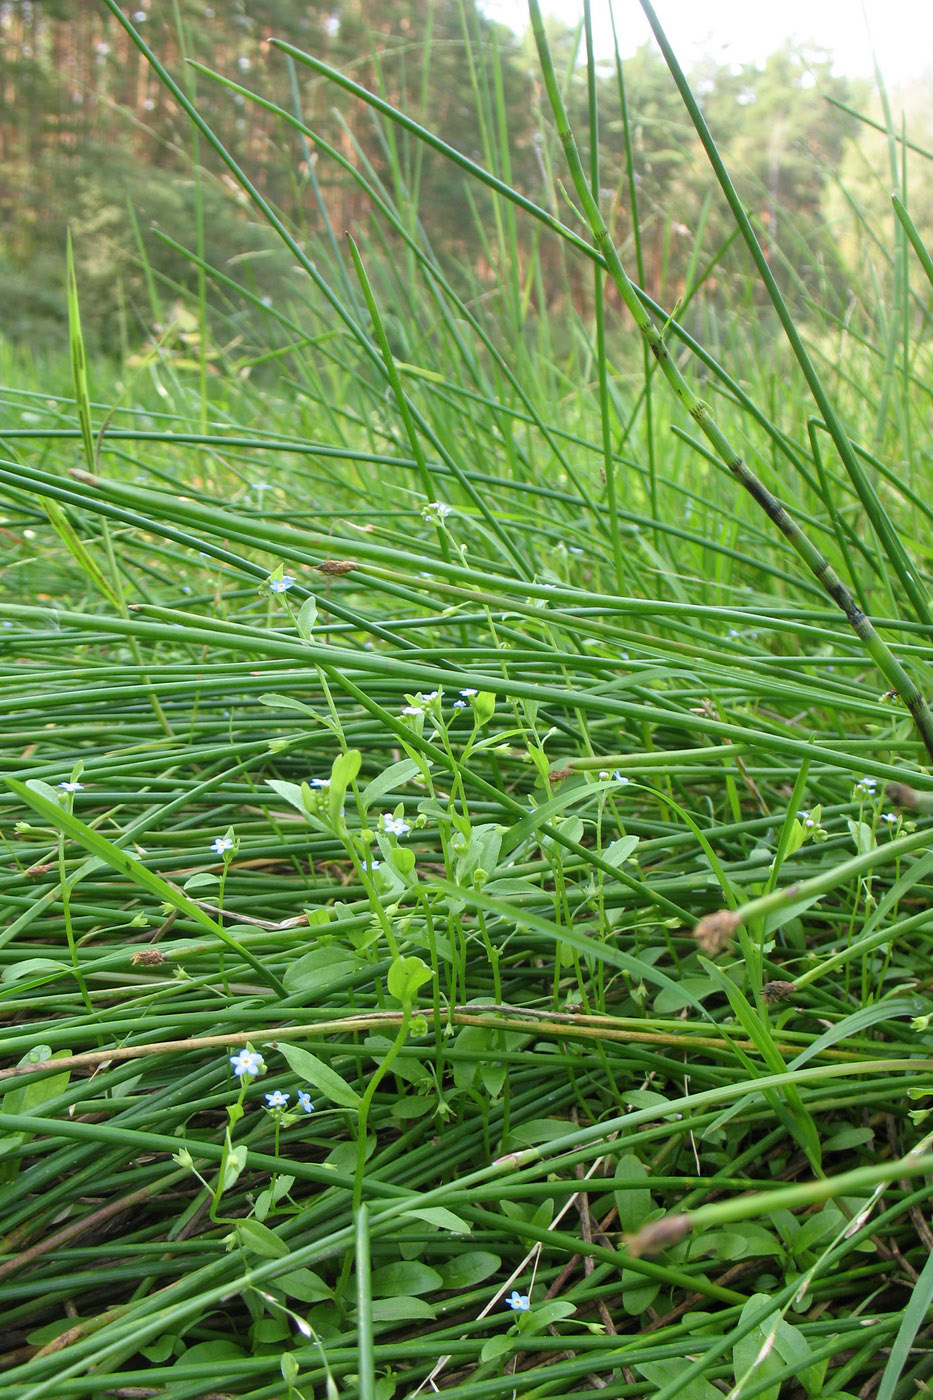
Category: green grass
<point>632,1018</point>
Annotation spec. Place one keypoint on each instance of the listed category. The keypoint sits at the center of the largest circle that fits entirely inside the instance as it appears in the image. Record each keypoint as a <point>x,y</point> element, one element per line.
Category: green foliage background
<point>90,139</point>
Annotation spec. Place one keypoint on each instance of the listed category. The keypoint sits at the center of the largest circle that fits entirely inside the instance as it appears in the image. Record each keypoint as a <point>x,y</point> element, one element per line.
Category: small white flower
<point>866,785</point>
<point>246,1062</point>
<point>277,1099</point>
<point>518,1302</point>
<point>304,1101</point>
<point>436,511</point>
<point>574,549</point>
<point>281,585</point>
<point>397,826</point>
<point>319,783</point>
<point>370,865</point>
<point>619,777</point>
<point>431,695</point>
<point>221,844</point>
<point>461,705</point>
<point>889,817</point>
<point>805,817</point>
<point>412,710</point>
<point>71,787</point>
<point>468,691</point>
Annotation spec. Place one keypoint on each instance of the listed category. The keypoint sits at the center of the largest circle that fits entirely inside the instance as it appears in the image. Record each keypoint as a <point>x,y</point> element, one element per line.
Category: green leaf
<point>33,1090</point>
<point>161,1349</point>
<point>291,792</point>
<point>200,882</point>
<point>493,1073</point>
<point>390,778</point>
<point>754,1353</point>
<point>634,1204</point>
<point>321,968</point>
<point>287,702</point>
<point>320,1075</point>
<point>500,1345</point>
<point>484,707</point>
<point>260,1239</point>
<point>618,852</point>
<point>477,1040</point>
<point>343,770</point>
<point>444,1219</point>
<point>405,1276</point>
<point>664,1373</point>
<point>401,1310</point>
<point>406,975</point>
<point>35,967</point>
<point>233,1166</point>
<point>538,1130</point>
<point>637,1294</point>
<point>305,1285</point>
<point>545,1314</point>
<point>794,1350</point>
<point>671,1000</point>
<point>26,1095</point>
<point>305,620</point>
<point>848,1138</point>
<point>470,1268</point>
<point>862,836</point>
<point>402,859</point>
<point>221,1349</point>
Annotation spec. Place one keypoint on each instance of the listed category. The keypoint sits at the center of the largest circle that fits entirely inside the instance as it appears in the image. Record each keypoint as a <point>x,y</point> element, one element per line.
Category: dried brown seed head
<point>714,931</point>
<point>559,774</point>
<point>148,957</point>
<point>336,566</point>
<point>901,794</point>
<point>660,1234</point>
<point>777,990</point>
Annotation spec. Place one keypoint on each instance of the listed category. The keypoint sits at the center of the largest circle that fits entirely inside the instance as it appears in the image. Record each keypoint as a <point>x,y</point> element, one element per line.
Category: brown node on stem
<point>660,1234</point>
<point>778,990</point>
<point>559,774</point>
<point>714,931</point>
<point>337,566</point>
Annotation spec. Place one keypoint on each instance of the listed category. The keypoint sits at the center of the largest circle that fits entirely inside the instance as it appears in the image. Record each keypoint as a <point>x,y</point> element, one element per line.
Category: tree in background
<point>90,138</point>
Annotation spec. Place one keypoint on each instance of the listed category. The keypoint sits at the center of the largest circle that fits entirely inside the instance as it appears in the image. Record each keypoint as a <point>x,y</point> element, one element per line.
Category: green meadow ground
<point>466,884</point>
